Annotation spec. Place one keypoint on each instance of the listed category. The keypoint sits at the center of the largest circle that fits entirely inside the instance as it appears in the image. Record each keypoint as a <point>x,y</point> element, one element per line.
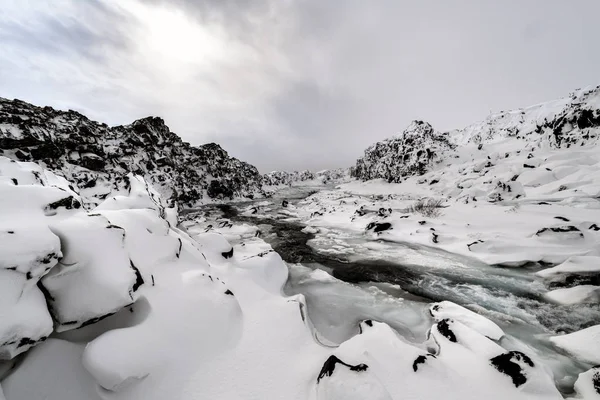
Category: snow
<point>23,315</point>
<point>574,265</point>
<point>140,308</point>
<point>446,309</point>
<point>51,371</point>
<point>587,385</point>
<point>575,295</point>
<point>583,345</point>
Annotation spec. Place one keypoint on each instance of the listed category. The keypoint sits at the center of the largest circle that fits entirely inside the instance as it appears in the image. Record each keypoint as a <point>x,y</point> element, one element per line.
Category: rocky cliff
<point>571,121</point>
<point>97,157</point>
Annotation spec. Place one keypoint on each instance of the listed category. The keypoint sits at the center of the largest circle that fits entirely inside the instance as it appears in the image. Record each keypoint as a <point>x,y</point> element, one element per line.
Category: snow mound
<point>447,309</point>
<point>575,295</point>
<point>583,345</point>
<point>587,385</point>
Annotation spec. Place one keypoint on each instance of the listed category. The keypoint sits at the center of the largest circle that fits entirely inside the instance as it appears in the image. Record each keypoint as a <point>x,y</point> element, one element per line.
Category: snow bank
<point>583,345</point>
<point>484,326</point>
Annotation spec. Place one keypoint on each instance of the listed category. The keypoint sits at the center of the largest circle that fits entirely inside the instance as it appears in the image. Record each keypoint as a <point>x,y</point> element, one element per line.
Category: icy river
<point>395,283</point>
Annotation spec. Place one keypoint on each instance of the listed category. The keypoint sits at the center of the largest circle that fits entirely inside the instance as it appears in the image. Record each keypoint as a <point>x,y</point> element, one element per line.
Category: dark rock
<point>379,227</point>
<point>330,364</point>
<point>228,254</point>
<point>443,328</point>
<point>421,360</point>
<point>284,203</point>
<point>507,363</point>
<point>563,219</point>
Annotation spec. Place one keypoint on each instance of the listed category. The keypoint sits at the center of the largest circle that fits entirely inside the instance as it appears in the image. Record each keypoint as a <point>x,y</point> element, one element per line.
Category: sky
<point>296,84</point>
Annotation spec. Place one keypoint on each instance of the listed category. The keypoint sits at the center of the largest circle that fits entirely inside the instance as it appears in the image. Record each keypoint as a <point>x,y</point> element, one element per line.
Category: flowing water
<point>395,283</point>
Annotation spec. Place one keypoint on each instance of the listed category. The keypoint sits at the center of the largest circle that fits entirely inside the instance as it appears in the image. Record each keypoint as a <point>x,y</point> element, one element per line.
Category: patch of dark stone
<point>421,360</point>
<point>571,280</point>
<point>543,203</point>
<point>16,182</point>
<point>139,280</point>
<point>384,212</point>
<point>95,319</point>
<point>227,254</point>
<point>13,232</point>
<point>284,203</point>
<point>507,364</point>
<point>422,222</point>
<point>379,227</point>
<point>560,229</point>
<point>443,328</point>
<point>68,202</point>
<point>178,253</point>
<point>528,166</point>
<point>229,292</point>
<point>563,219</point>
<point>152,276</point>
<point>26,342</point>
<point>332,361</point>
<point>596,379</point>
<point>594,227</point>
<point>434,237</point>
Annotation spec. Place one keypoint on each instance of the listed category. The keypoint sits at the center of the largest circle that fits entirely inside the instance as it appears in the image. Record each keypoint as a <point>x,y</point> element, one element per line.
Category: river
<point>395,283</point>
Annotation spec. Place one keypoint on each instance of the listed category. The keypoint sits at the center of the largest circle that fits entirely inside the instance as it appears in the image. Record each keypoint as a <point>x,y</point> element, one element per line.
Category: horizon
<point>295,85</point>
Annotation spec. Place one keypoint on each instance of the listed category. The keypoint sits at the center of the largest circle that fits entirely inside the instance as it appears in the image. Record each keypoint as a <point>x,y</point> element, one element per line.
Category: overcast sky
<point>294,84</point>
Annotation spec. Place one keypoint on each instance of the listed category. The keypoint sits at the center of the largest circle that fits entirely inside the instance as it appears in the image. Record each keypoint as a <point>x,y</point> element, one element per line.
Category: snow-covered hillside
<point>97,158</point>
<point>469,270</point>
<point>284,178</point>
<point>565,123</point>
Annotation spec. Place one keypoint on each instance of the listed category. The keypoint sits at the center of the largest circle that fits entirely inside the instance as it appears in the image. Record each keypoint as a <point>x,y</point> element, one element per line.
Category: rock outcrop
<point>563,123</point>
<point>97,158</point>
<point>410,153</point>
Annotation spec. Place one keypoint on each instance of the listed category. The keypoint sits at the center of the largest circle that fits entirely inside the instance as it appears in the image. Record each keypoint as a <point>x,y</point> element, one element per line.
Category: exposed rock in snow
<point>410,153</point>
<point>572,121</point>
<point>583,345</point>
<point>97,158</point>
<point>566,122</point>
<point>25,318</point>
<point>279,178</point>
<point>577,268</point>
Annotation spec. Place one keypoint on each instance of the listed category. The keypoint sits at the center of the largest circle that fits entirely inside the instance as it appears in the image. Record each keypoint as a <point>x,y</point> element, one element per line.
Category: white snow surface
<point>210,321</point>
<point>193,312</point>
<point>583,345</point>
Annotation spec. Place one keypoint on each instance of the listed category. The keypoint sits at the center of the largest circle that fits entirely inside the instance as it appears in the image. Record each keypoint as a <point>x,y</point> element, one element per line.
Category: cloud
<point>292,84</point>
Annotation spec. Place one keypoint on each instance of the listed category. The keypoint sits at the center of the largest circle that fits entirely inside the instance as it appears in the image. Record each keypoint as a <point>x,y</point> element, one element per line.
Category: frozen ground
<point>324,293</point>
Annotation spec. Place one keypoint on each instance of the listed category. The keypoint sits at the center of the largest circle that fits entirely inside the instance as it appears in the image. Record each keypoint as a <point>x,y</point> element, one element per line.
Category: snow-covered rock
<point>575,295</point>
<point>97,158</point>
<point>95,277</point>
<point>447,309</point>
<point>410,153</point>
<point>587,385</point>
<point>30,198</point>
<point>583,345</point>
